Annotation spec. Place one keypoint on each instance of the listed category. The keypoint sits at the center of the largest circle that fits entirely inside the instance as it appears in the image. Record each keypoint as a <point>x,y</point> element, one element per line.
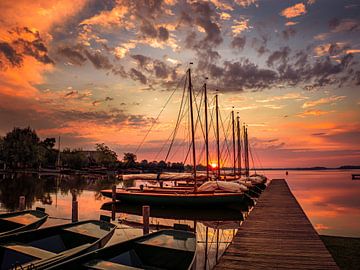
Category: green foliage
<point>20,148</point>
<point>106,157</point>
<point>74,159</point>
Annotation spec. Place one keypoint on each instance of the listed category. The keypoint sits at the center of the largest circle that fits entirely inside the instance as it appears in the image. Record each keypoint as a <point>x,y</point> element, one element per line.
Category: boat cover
<point>222,185</point>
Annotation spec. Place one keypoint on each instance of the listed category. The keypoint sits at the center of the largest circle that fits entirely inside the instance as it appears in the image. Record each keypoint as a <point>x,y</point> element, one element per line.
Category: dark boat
<point>178,198</point>
<point>21,221</point>
<point>166,249</point>
<point>42,248</point>
<point>180,213</point>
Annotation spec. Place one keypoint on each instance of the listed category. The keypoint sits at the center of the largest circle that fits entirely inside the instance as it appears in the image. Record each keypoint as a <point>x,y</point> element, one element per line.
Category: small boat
<point>165,249</point>
<point>42,248</point>
<point>21,221</point>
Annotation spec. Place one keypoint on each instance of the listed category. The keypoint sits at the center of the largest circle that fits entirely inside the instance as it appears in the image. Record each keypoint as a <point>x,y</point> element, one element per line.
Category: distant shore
<point>345,250</point>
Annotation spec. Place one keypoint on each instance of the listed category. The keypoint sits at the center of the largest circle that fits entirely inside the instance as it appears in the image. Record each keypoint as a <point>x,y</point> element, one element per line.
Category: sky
<point>96,71</point>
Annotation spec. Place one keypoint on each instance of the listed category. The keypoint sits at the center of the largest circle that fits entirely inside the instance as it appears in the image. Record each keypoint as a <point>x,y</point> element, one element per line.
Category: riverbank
<point>345,250</point>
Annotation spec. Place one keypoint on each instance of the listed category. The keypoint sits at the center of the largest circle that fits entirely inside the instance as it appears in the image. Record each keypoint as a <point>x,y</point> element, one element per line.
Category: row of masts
<point>236,142</point>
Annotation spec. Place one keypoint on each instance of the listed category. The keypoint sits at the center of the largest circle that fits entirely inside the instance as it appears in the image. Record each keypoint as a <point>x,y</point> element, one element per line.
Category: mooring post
<point>75,207</point>
<point>217,245</point>
<point>22,202</point>
<point>146,216</point>
<point>206,246</point>
<point>113,206</point>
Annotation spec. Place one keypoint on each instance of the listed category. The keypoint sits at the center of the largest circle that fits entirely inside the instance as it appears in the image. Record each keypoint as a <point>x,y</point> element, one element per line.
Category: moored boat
<point>42,248</point>
<point>21,221</point>
<point>166,249</point>
<point>178,197</point>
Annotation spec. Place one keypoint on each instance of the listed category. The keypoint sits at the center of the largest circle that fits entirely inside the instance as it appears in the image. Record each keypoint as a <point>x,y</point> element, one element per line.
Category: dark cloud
<point>141,60</point>
<point>238,42</point>
<point>9,56</point>
<point>119,70</point>
<point>163,34</point>
<point>278,56</point>
<point>98,60</point>
<point>138,76</point>
<point>288,33</point>
<point>73,54</point>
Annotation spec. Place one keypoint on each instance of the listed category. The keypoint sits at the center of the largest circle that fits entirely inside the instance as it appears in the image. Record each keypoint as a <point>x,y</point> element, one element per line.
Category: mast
<point>217,134</point>
<point>246,144</point>
<point>233,139</point>
<point>206,132</point>
<point>58,157</point>
<point>192,130</point>
<point>238,144</point>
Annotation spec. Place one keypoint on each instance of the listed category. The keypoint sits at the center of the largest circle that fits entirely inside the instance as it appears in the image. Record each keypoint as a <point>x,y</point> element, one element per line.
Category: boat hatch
<point>6,225</point>
<point>92,229</point>
<point>24,219</point>
<point>180,241</point>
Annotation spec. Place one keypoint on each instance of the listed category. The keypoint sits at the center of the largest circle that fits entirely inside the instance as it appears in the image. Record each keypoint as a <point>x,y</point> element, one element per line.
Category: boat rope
<point>177,121</point>
<point>158,116</point>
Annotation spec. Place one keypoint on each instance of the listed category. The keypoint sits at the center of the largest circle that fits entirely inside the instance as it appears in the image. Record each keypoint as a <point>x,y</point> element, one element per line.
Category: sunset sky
<point>100,71</point>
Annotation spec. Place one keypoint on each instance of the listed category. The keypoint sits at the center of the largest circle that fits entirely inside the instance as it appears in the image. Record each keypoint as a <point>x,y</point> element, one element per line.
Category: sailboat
<point>221,193</point>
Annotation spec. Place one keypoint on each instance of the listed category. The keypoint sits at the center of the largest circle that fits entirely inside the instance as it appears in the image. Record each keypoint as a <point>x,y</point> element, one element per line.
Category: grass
<point>345,250</point>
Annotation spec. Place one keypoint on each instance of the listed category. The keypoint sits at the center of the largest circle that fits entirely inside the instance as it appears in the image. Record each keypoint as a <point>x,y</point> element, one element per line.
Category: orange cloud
<point>313,113</point>
<point>240,26</point>
<point>326,100</point>
<point>294,11</point>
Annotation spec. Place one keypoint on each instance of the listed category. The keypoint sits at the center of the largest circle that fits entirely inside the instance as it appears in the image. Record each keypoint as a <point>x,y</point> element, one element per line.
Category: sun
<point>213,165</point>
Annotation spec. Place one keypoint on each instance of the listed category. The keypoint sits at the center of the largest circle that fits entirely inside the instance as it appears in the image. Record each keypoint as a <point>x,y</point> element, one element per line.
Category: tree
<point>47,153</point>
<point>107,157</point>
<point>129,159</point>
<point>74,159</point>
<point>21,148</point>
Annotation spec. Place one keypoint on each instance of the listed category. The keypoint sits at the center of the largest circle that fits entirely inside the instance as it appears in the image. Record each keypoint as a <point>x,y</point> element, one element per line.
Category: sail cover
<point>222,185</point>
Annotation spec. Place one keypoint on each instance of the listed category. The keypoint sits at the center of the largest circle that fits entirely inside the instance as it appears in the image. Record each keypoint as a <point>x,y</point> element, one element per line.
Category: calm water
<point>329,198</point>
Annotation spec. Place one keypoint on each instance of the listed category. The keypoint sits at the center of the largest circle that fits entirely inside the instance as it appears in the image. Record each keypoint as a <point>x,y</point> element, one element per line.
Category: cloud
<point>288,33</point>
<point>238,42</point>
<point>138,76</point>
<point>246,3</point>
<point>326,100</point>
<point>344,25</point>
<point>313,113</point>
<point>291,23</point>
<point>278,56</point>
<point>99,60</point>
<point>73,54</point>
<point>239,26</point>
<point>294,11</point>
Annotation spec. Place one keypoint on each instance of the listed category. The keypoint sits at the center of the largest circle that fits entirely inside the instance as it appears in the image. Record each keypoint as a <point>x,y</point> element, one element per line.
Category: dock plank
<point>277,235</point>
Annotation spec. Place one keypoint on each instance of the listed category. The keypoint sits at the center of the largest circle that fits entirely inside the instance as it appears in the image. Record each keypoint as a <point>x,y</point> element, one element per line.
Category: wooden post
<point>75,208</point>
<point>217,245</point>
<point>146,216</point>
<point>22,203</point>
<point>206,246</point>
<point>113,207</point>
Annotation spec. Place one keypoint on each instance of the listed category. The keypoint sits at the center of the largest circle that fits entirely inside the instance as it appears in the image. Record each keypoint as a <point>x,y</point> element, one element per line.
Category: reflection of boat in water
<point>40,249</point>
<point>166,249</point>
<point>21,221</point>
<point>198,214</point>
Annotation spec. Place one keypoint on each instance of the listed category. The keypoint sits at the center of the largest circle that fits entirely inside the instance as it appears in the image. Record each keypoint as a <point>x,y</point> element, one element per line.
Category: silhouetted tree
<point>20,148</point>
<point>107,157</point>
<point>129,159</point>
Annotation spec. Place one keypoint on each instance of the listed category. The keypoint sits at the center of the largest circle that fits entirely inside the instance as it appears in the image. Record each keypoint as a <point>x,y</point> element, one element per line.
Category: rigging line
<point>177,122</point>
<point>252,159</point>
<point>225,141</point>
<point>157,118</point>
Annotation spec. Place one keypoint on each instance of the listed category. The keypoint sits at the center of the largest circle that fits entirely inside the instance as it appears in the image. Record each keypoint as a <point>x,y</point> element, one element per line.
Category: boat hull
<point>178,199</point>
<point>21,221</point>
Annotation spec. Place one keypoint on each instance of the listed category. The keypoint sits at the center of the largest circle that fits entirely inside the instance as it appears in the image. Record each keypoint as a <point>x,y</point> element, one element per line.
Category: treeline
<point>23,149</point>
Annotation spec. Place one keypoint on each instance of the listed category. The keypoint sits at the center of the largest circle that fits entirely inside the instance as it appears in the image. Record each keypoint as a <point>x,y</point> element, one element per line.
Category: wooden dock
<point>277,235</point>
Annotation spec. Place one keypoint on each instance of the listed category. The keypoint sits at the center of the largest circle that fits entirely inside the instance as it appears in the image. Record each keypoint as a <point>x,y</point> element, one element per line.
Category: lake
<point>329,198</point>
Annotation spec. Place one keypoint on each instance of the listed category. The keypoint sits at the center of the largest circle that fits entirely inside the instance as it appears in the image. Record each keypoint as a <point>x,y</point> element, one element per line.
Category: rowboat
<point>21,221</point>
<point>165,249</point>
<point>42,248</point>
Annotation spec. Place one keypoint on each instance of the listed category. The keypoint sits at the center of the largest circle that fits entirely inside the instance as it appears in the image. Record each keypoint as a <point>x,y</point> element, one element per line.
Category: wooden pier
<point>277,235</point>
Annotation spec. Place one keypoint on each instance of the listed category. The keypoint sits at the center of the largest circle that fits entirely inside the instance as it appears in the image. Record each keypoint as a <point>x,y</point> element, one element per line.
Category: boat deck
<point>277,235</point>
